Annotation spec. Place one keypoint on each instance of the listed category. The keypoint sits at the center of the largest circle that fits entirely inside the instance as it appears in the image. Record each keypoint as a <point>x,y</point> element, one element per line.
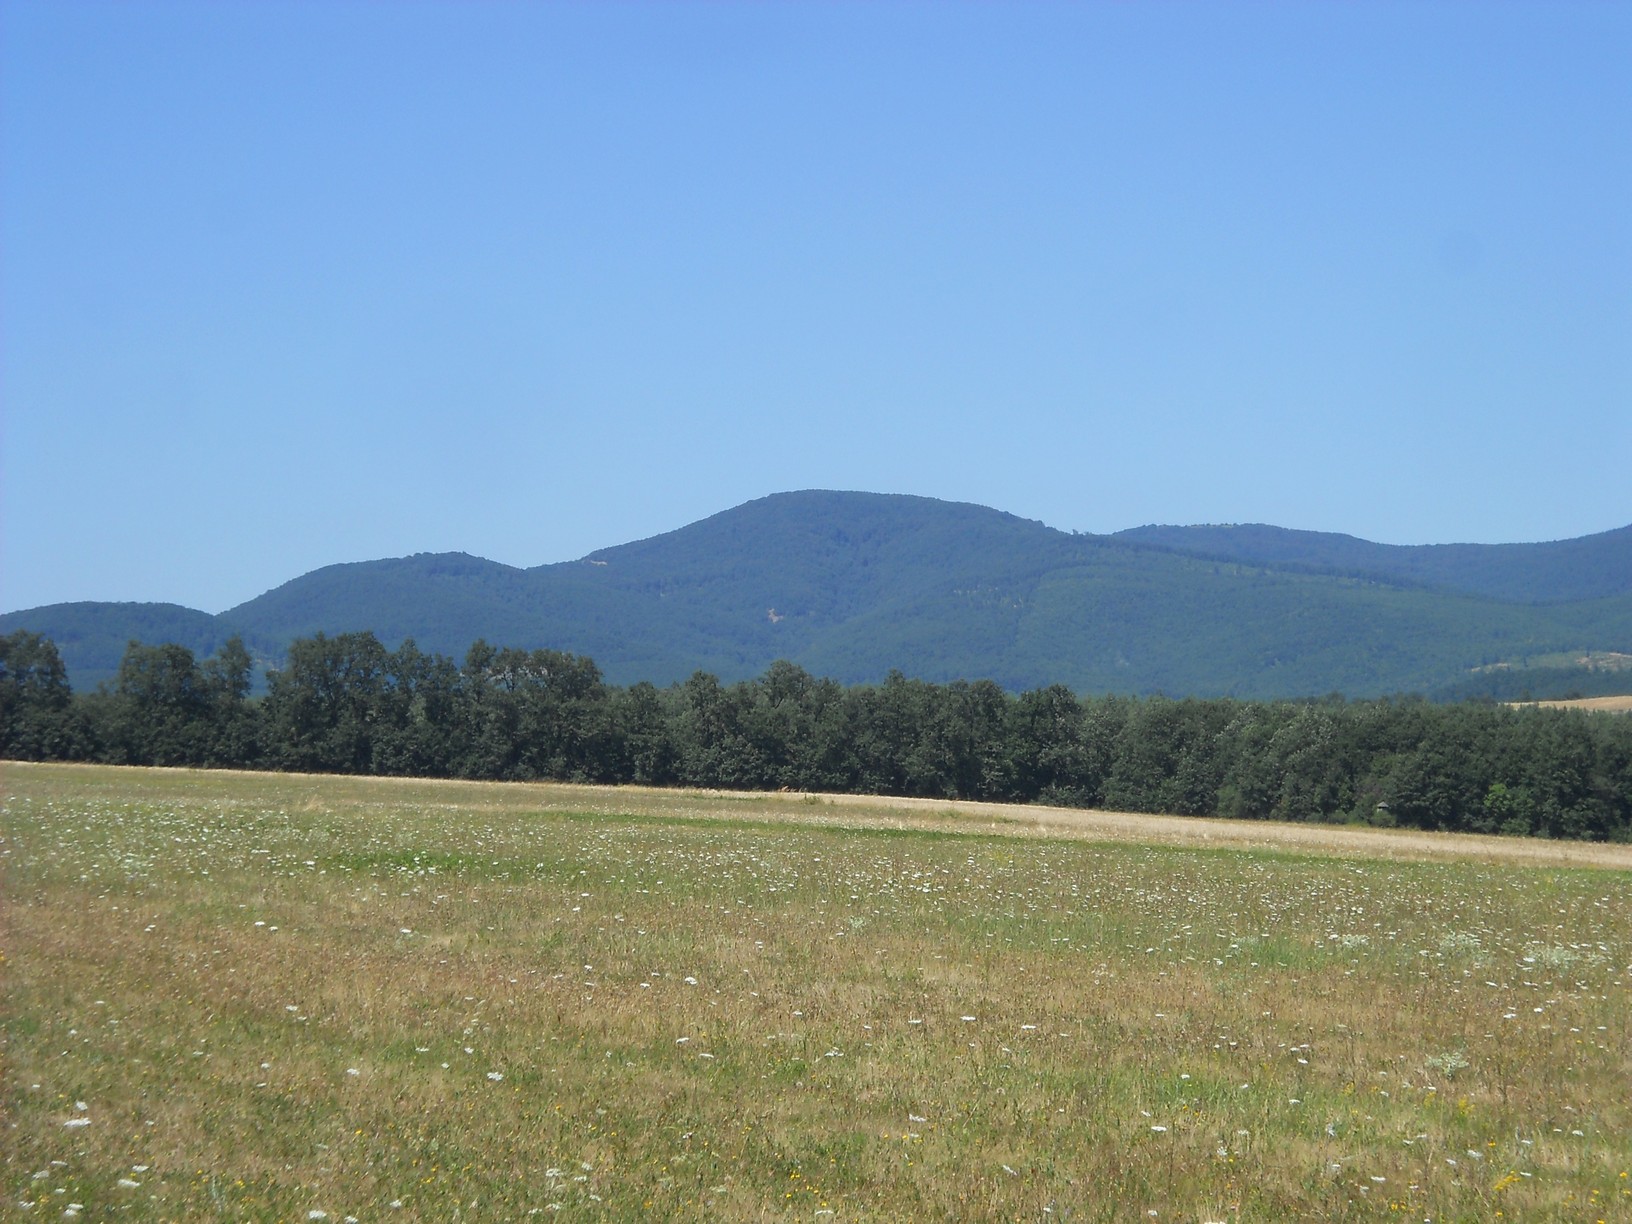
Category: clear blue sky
<point>286,284</point>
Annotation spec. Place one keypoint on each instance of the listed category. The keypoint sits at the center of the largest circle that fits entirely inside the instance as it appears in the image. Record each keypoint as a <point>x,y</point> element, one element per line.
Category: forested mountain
<point>91,636</point>
<point>1558,571</point>
<point>853,585</point>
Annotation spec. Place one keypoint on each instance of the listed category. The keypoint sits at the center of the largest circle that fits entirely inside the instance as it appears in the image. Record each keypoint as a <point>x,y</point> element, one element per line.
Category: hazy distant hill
<point>852,585</point>
<point>1557,572</point>
<point>91,636</point>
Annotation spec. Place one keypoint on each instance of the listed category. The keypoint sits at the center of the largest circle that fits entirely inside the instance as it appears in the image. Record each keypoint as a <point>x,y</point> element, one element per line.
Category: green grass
<point>280,995</point>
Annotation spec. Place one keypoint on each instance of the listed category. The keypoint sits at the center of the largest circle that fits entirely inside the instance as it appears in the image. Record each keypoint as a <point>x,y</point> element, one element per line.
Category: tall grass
<point>247,997</point>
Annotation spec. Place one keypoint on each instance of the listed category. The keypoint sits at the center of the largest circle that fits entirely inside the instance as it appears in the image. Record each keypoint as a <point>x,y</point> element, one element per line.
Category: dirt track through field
<point>1231,834</point>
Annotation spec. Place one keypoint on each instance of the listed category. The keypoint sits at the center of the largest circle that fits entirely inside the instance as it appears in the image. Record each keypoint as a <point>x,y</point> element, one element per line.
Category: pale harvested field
<point>1198,832</point>
<point>1619,705</point>
<point>271,997</point>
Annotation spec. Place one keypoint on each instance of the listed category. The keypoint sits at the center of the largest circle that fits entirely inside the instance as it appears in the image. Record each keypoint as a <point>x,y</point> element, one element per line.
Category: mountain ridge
<point>853,585</point>
<point>1553,571</point>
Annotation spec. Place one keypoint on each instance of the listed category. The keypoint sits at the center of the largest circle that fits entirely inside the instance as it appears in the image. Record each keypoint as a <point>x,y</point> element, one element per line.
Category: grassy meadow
<point>260,997</point>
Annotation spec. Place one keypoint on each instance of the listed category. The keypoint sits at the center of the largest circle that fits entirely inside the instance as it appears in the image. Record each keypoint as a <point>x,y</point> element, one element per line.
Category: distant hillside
<point>434,598</point>
<point>729,594</point>
<point>92,636</point>
<point>852,585</point>
<point>1561,571</point>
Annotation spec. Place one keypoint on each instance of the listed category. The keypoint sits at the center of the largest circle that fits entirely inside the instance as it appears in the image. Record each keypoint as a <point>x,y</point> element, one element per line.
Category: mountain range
<point>853,585</point>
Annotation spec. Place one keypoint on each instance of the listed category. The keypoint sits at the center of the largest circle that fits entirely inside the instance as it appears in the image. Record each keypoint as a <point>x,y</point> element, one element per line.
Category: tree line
<point>346,704</point>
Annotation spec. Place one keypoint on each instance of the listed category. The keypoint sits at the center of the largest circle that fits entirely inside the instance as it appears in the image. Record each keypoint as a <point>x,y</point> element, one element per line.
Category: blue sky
<point>286,284</point>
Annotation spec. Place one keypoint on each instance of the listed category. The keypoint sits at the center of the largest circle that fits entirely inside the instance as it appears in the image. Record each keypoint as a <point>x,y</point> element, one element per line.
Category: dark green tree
<point>893,754</point>
<point>536,714</point>
<point>643,737</point>
<point>323,707</point>
<point>798,729</point>
<point>37,718</point>
<point>161,707</point>
<point>711,730</point>
<point>419,731</point>
<point>234,732</point>
<point>1049,755</point>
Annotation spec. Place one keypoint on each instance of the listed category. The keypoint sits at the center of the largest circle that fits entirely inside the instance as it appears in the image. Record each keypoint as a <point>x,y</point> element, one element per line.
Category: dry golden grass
<point>278,995</point>
<point>1619,705</point>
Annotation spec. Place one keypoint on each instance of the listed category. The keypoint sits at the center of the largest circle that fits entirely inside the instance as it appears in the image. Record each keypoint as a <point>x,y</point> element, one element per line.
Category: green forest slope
<point>1558,571</point>
<point>853,585</point>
